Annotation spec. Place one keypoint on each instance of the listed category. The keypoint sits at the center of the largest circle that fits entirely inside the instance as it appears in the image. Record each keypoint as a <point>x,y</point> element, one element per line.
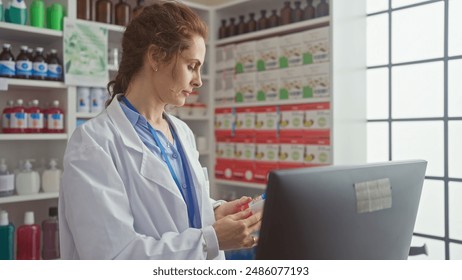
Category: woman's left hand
<point>232,207</point>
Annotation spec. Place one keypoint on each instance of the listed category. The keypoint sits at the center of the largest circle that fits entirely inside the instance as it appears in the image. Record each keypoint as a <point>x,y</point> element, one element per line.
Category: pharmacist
<point>132,186</point>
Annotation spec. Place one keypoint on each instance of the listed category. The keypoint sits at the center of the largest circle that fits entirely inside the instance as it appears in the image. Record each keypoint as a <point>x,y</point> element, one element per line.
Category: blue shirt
<point>179,166</point>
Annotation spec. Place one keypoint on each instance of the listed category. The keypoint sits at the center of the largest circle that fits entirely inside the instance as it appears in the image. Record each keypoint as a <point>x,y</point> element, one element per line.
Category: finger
<point>255,227</point>
<point>242,215</point>
<point>254,218</point>
<point>241,202</point>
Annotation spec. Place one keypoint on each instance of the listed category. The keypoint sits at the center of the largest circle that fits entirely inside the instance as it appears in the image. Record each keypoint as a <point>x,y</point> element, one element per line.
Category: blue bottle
<point>6,237</point>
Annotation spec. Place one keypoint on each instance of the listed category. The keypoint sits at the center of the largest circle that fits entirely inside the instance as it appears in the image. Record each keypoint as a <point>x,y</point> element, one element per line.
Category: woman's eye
<point>192,67</point>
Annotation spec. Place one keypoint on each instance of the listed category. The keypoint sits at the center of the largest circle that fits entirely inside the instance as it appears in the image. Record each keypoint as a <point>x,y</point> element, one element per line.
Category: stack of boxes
<point>255,139</point>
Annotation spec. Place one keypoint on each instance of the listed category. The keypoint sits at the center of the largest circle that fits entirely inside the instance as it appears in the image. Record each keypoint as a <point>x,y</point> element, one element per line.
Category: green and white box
<point>316,47</point>
<point>292,83</point>
<point>290,50</point>
<point>246,57</point>
<point>268,85</point>
<point>245,88</point>
<point>268,54</point>
<point>317,82</point>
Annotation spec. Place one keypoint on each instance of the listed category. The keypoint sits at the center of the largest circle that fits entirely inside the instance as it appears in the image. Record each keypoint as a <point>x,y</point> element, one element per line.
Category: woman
<point>132,186</point>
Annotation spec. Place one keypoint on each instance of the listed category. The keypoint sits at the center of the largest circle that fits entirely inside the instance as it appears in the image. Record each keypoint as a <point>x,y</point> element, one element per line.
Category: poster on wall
<point>85,46</point>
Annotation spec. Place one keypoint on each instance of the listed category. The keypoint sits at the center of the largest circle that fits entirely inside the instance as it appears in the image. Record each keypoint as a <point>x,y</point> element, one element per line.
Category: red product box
<point>317,152</point>
<point>291,120</point>
<point>245,122</point>
<point>224,122</point>
<point>317,120</point>
<point>244,159</point>
<point>266,121</point>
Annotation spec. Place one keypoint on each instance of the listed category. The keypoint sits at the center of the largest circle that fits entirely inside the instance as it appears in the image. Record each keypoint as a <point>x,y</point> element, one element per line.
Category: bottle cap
<point>6,45</point>
<point>24,48</point>
<point>4,218</point>
<point>29,218</point>
<point>53,211</point>
<point>35,102</point>
<point>39,49</point>
<point>53,51</point>
<point>10,103</point>
<point>19,102</point>
<point>53,163</point>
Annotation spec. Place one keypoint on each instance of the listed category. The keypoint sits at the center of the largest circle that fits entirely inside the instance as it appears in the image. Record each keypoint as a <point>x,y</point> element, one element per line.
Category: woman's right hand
<point>235,231</point>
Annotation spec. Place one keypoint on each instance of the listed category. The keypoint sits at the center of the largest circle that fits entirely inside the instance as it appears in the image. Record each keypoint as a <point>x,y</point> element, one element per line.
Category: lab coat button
<point>184,186</point>
<point>174,155</point>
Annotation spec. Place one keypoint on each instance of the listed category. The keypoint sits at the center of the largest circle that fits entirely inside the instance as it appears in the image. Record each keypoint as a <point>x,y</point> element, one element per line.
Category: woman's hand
<point>232,207</point>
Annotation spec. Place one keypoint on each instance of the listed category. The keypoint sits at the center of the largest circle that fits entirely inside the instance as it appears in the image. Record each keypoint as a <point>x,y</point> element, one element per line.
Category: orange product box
<point>291,120</point>
<point>245,122</point>
<point>224,122</point>
<point>266,121</point>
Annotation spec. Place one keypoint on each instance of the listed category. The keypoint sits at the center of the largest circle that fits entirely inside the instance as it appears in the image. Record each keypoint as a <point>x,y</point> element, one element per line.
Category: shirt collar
<point>132,116</point>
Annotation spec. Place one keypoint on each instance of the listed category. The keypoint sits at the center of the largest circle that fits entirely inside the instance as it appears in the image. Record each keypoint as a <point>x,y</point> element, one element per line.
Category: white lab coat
<point>119,201</point>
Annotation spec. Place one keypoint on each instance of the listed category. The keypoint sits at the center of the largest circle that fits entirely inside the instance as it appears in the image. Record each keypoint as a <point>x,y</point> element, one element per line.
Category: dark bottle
<point>50,231</point>
<point>23,64</point>
<point>222,31</point>
<point>310,11</point>
<point>322,9</point>
<point>55,68</point>
<point>241,26</point>
<point>297,14</point>
<point>39,65</point>
<point>286,14</point>
<point>139,8</point>
<point>84,9</point>
<point>252,23</point>
<point>232,27</point>
<point>7,62</point>
<point>104,11</point>
<point>123,13</point>
<point>273,20</point>
<point>262,22</point>
<point>30,53</point>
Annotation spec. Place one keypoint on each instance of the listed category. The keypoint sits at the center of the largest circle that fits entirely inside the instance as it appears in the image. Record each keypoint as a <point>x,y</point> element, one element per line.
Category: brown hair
<point>169,25</point>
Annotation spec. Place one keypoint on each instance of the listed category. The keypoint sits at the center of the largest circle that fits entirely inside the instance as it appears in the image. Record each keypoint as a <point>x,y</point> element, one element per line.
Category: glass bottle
<point>310,11</point>
<point>39,65</point>
<point>286,14</point>
<point>273,20</point>
<point>232,28</point>
<point>55,68</point>
<point>322,9</point>
<point>297,14</point>
<point>222,30</point>
<point>123,13</point>
<point>23,64</point>
<point>252,23</point>
<point>104,11</point>
<point>241,26</point>
<point>262,21</point>
<point>7,62</point>
<point>138,9</point>
<point>84,9</point>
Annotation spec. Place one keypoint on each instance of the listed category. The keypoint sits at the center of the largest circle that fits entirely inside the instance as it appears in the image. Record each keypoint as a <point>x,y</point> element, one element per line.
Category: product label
<point>23,68</point>
<point>7,68</point>
<point>39,69</point>
<point>55,71</point>
<point>18,120</point>
<point>6,183</point>
<point>6,121</point>
<point>35,120</point>
<point>55,121</point>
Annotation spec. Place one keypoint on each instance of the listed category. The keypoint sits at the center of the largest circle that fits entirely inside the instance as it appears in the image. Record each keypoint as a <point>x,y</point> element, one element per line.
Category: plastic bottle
<point>96,98</point>
<point>51,178</point>
<point>256,205</point>
<point>252,23</point>
<point>6,116</point>
<point>55,16</point>
<point>28,239</point>
<point>286,14</point>
<point>123,13</point>
<point>17,12</point>
<point>6,237</point>
<point>27,180</point>
<point>262,21</point>
<point>322,9</point>
<point>7,64</point>
<point>55,68</point>
<point>35,121</point>
<point>139,8</point>
<point>84,9</point>
<point>6,180</point>
<point>55,119</point>
<point>104,11</point>
<point>39,65</point>
<point>23,64</point>
<point>310,11</point>
<point>37,13</point>
<point>18,118</point>
<point>83,100</point>
<point>50,228</point>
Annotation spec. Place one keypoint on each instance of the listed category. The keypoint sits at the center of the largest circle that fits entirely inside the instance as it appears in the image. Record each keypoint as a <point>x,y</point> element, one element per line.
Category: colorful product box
<point>228,86</point>
<point>245,121</point>
<point>317,83</point>
<point>266,121</point>
<point>266,158</point>
<point>218,95</point>
<point>317,152</point>
<point>244,159</point>
<point>290,50</point>
<point>224,151</point>
<point>317,120</point>
<point>291,151</point>
<point>291,120</point>
<point>220,58</point>
<point>245,88</point>
<point>246,57</point>
<point>268,85</point>
<point>224,122</point>
<point>230,57</point>
<point>316,45</point>
<point>293,84</point>
<point>268,54</point>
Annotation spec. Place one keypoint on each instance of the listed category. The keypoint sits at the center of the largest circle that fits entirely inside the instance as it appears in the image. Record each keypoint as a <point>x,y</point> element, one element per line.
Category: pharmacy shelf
<point>273,103</point>
<point>27,84</point>
<point>280,30</point>
<point>86,115</point>
<point>23,198</point>
<point>194,118</point>
<point>241,184</point>
<point>32,136</point>
<point>17,33</point>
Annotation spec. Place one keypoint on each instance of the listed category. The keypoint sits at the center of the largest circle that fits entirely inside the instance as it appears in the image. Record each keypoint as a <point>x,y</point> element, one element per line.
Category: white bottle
<point>6,180</point>
<point>27,180</point>
<point>51,177</point>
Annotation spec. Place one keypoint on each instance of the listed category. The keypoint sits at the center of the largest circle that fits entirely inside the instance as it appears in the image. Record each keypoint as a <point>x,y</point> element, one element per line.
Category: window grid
<point>445,117</point>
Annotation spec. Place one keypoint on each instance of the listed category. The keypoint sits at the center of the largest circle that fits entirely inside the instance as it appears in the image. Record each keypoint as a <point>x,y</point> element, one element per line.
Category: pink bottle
<point>35,119</point>
<point>28,239</point>
<point>6,116</point>
<point>55,118</point>
<point>50,228</point>
<point>18,118</point>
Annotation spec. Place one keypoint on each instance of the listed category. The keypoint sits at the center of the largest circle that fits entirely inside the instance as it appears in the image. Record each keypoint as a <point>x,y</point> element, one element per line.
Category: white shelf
<point>241,184</point>
<point>33,136</point>
<point>33,35</point>
<point>22,198</point>
<point>273,103</point>
<point>293,27</point>
<point>194,118</point>
<point>86,115</point>
<point>25,83</point>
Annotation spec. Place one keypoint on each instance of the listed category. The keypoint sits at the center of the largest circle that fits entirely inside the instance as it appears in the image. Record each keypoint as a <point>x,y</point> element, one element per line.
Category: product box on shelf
<point>246,57</point>
<point>266,121</point>
<point>266,157</point>
<point>224,122</point>
<point>245,88</point>
<point>218,94</point>
<point>245,121</point>
<point>293,84</point>
<point>230,57</point>
<point>291,151</point>
<point>198,109</point>
<point>268,54</point>
<point>316,45</point>
<point>316,84</point>
<point>317,152</point>
<point>224,152</point>
<point>244,158</point>
<point>229,80</point>
<point>316,120</point>
<point>268,85</point>
<point>291,120</point>
<point>290,50</point>
<point>220,58</point>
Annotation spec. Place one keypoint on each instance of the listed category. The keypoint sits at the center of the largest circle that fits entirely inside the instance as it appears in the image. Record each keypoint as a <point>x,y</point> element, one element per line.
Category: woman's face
<point>173,82</point>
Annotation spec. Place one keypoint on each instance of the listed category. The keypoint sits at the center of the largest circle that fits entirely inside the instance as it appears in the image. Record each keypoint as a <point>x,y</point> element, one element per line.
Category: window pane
<point>435,248</point>
<point>377,93</point>
<point>402,3</point>
<point>377,141</point>
<point>420,140</point>
<point>418,33</point>
<point>455,149</point>
<point>455,27</point>
<point>377,40</point>
<point>374,6</point>
<point>455,251</point>
<point>418,90</point>
<point>430,217</point>
<point>455,87</point>
<point>455,210</point>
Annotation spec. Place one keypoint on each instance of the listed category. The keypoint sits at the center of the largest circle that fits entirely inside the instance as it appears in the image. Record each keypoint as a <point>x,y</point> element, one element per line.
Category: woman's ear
<point>152,57</point>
